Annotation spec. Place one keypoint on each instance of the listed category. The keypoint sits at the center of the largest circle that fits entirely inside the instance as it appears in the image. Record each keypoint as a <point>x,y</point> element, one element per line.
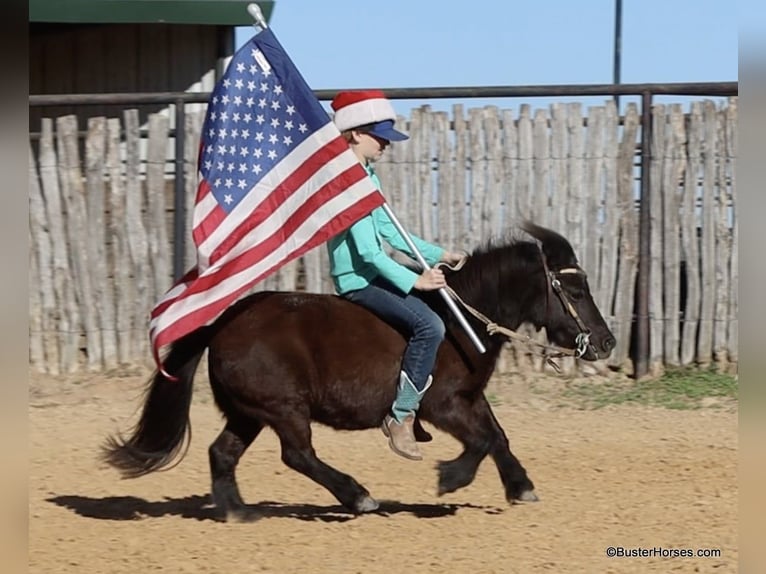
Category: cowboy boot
<point>399,427</point>
<point>401,437</point>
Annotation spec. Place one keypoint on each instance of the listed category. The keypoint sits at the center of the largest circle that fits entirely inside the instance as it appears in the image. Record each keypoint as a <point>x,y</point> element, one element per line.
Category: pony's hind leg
<point>224,454</point>
<point>298,453</point>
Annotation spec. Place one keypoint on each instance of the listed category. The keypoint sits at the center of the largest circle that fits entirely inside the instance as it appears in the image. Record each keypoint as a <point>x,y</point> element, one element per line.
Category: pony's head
<point>570,316</point>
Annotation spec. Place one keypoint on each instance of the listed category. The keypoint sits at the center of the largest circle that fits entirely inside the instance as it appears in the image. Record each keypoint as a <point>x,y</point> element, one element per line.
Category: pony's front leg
<point>474,425</point>
<point>297,452</point>
<point>465,422</point>
<point>517,484</point>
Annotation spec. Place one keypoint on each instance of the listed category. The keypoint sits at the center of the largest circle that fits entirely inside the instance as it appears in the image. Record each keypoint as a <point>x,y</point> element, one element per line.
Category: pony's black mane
<point>492,269</point>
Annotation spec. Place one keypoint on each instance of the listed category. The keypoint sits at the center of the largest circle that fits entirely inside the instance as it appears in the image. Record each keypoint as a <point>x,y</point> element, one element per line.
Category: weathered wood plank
<point>510,167</point>
<point>673,171</point>
<point>707,231</point>
<point>689,239</point>
<point>730,159</point>
<point>37,361</point>
<point>478,163</point>
<point>541,213</point>
<point>656,192</point>
<point>493,203</point>
<point>511,359</point>
<point>578,200</point>
<point>312,262</point>
<point>459,205</point>
<point>558,182</point>
<point>160,249</point>
<point>628,243</point>
<point>73,188</point>
<point>525,171</point>
<point>445,228</point>
<point>103,295</point>
<point>138,246</point>
<point>559,170</point>
<point>398,189</point>
<point>410,213</point>
<point>43,340</point>
<point>119,255</point>
<point>69,320</point>
<point>607,284</point>
<point>594,224</point>
<point>723,241</point>
<point>424,176</point>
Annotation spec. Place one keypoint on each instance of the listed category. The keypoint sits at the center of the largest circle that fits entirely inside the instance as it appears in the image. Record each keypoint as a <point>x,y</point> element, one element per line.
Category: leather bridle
<point>582,340</point>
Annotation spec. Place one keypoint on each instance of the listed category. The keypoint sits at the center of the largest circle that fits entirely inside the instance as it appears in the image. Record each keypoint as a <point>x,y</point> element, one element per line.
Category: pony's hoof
<point>366,504</point>
<point>421,434</point>
<point>527,496</point>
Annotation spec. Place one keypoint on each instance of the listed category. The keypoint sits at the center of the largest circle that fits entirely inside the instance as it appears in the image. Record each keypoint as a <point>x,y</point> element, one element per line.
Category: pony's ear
<point>556,248</point>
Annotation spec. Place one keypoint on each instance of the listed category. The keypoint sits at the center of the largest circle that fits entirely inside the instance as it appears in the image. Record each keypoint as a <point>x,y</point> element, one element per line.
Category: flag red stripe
<point>190,276</point>
<point>212,220</point>
<point>190,322</point>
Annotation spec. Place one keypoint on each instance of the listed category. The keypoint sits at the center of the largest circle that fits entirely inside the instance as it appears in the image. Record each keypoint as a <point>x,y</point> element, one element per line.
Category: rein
<point>548,352</point>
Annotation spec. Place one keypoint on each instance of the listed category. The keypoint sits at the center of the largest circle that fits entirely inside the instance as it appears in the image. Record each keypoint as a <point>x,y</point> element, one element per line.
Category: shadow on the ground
<point>199,507</point>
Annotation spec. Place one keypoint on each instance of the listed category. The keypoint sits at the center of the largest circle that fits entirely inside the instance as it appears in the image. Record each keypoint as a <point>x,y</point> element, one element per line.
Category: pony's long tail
<point>163,432</point>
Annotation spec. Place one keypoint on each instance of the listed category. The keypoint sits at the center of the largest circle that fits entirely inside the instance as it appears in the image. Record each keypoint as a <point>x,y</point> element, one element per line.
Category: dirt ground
<point>629,476</point>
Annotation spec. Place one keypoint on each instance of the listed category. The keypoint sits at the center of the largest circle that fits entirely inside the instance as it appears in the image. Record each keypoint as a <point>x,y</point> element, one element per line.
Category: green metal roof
<point>213,12</point>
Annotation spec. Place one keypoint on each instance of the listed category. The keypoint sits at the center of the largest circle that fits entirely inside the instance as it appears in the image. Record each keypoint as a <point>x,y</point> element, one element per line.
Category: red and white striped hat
<point>366,108</point>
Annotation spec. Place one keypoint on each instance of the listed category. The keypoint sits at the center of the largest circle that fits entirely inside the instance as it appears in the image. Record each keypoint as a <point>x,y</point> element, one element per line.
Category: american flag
<point>276,180</point>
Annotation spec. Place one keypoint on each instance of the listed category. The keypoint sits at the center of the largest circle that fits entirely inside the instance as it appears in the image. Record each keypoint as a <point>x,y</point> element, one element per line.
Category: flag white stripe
<point>204,207</point>
<point>173,293</point>
<point>300,237</point>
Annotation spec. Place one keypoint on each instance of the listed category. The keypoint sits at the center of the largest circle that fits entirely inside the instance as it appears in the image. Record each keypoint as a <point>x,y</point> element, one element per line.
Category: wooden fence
<point>101,219</point>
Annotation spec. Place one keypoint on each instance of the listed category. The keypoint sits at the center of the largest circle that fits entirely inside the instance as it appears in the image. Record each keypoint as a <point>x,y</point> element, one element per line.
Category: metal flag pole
<point>443,292</point>
<point>255,11</point>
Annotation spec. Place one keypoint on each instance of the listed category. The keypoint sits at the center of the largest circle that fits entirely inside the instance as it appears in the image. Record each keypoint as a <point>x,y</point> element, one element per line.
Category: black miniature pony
<point>285,359</point>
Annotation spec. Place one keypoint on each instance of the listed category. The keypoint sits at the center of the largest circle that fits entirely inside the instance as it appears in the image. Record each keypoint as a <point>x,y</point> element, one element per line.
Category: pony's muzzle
<point>608,344</point>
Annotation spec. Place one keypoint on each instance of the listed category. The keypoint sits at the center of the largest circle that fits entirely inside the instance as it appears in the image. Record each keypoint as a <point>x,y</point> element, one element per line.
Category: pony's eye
<point>576,290</point>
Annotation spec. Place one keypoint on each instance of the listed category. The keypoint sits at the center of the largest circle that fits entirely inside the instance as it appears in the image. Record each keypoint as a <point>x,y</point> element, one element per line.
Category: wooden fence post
<point>628,243</point>
<point>103,295</point>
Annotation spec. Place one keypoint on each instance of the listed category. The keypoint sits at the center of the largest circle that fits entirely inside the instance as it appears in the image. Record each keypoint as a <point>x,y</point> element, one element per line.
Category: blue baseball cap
<point>385,130</point>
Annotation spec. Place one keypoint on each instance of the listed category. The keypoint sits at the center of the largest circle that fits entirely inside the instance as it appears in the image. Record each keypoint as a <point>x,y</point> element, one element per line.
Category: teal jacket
<point>357,255</point>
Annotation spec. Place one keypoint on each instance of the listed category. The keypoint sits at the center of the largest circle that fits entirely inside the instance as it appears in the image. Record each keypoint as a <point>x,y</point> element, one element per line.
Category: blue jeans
<point>423,327</point>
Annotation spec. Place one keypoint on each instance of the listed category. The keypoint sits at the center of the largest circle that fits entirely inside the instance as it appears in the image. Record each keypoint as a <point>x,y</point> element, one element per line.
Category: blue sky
<point>420,43</point>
